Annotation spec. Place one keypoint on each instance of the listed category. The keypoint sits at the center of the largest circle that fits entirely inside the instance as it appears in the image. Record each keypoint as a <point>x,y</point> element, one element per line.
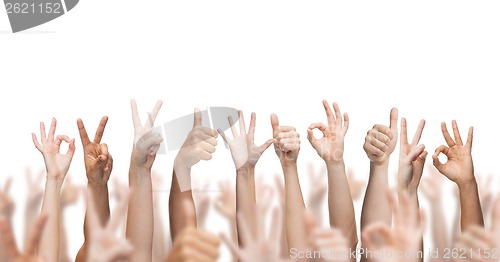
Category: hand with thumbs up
<point>98,161</point>
<point>199,145</point>
<point>381,140</point>
<point>286,142</point>
<point>379,144</point>
<point>192,244</point>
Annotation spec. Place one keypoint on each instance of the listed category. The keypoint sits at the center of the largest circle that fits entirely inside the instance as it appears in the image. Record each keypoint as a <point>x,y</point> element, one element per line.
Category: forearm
<point>340,204</point>
<point>63,252</point>
<point>177,197</point>
<point>294,208</point>
<point>140,214</point>
<point>470,205</point>
<point>100,195</point>
<point>160,244</point>
<point>376,207</point>
<point>31,212</point>
<point>50,240</point>
<point>251,183</point>
<point>245,203</point>
<point>439,228</point>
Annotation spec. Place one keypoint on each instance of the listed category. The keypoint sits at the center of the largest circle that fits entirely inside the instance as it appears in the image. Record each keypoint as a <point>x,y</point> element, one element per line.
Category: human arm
<point>245,154</point>
<point>459,168</point>
<point>287,146</point>
<point>140,221</point>
<point>98,166</point>
<point>199,145</point>
<point>331,149</point>
<point>57,166</point>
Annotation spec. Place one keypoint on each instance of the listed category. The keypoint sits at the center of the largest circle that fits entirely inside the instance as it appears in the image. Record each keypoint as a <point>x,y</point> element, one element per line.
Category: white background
<point>434,60</point>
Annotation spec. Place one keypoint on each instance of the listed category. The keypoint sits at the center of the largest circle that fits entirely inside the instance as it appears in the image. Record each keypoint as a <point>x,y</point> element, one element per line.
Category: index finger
<point>100,130</point>
<point>418,133</point>
<point>83,132</point>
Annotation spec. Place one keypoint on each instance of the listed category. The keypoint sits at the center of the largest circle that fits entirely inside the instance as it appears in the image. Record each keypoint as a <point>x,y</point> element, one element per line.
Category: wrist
<point>243,171</point>
<point>54,181</point>
<point>334,164</point>
<point>382,166</point>
<point>291,166</point>
<point>286,164</point>
<point>467,185</point>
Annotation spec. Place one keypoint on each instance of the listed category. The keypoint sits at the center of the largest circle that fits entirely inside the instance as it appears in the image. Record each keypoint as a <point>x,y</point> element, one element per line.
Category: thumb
<point>394,119</point>
<point>274,122</point>
<point>189,214</point>
<point>197,117</point>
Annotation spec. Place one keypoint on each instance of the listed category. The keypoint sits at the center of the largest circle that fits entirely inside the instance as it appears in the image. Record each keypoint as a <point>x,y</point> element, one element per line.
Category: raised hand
<point>104,245</point>
<point>459,167</point>
<point>35,190</point>
<point>12,252</point>
<point>404,238</point>
<point>140,215</point>
<point>98,161</point>
<point>432,185</point>
<point>381,140</point>
<point>199,144</point>
<point>146,142</point>
<point>225,202</point>
<point>244,151</point>
<point>317,191</point>
<point>286,142</point>
<point>411,158</point>
<point>192,244</point>
<point>57,164</point>
<point>330,242</point>
<point>259,247</point>
<point>331,146</point>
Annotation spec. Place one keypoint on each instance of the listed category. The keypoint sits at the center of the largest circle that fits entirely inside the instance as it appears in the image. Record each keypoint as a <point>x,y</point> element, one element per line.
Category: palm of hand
<point>96,171</point>
<point>331,146</point>
<point>56,162</point>
<point>240,149</point>
<point>459,167</point>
